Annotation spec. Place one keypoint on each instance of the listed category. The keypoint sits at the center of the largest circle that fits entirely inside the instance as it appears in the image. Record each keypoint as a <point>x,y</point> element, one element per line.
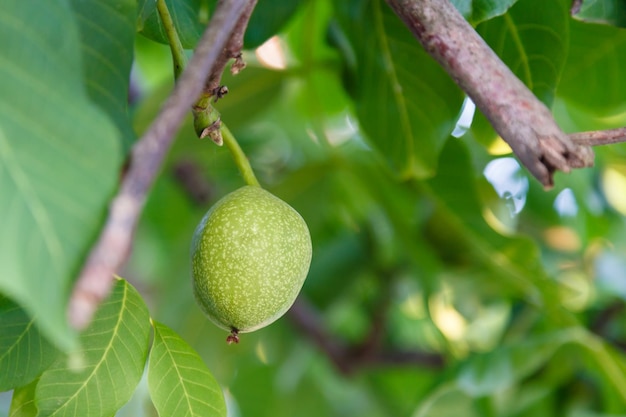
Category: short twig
<point>523,121</point>
<point>599,137</point>
<point>232,50</point>
<point>113,245</point>
<point>219,92</point>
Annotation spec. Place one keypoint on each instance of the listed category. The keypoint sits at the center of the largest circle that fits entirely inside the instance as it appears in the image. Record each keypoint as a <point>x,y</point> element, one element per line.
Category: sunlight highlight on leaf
<point>272,54</point>
<point>614,187</point>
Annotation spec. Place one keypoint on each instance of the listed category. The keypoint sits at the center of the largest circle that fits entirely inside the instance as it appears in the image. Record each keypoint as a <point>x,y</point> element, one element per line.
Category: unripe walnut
<point>250,256</point>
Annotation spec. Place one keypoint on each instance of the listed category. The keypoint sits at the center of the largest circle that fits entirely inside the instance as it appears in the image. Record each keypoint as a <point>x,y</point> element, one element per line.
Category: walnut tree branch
<point>232,50</point>
<point>114,243</point>
<point>523,121</point>
<point>599,137</point>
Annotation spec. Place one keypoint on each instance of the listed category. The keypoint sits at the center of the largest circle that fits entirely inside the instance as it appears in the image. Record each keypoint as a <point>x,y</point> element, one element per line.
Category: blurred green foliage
<point>438,287</point>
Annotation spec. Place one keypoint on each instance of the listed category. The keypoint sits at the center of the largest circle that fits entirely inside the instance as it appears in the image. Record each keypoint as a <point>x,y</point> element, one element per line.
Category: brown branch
<point>347,358</point>
<point>231,51</point>
<point>516,114</point>
<point>599,137</point>
<point>113,245</point>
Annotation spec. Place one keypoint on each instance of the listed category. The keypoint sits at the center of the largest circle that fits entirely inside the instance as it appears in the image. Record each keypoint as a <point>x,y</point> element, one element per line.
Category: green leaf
<point>101,377</point>
<point>145,9</point>
<point>494,371</point>
<point>446,401</point>
<point>532,40</point>
<point>594,74</point>
<point>179,382</point>
<point>107,30</point>
<point>406,104</point>
<point>463,231</point>
<point>401,387</point>
<point>309,36</point>
<point>24,353</point>
<point>612,12</point>
<point>476,11</point>
<point>186,15</point>
<point>59,159</point>
<point>252,92</point>
<point>23,401</point>
<point>611,365</point>
<point>268,19</point>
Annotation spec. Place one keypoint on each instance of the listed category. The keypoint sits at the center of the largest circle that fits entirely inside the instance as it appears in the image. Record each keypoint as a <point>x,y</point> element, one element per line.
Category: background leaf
<point>23,401</point>
<point>144,9</point>
<point>252,90</point>
<point>24,352</point>
<point>59,158</point>
<point>597,56</point>
<point>476,11</point>
<point>100,377</point>
<point>398,89</point>
<point>447,401</point>
<point>503,367</point>
<point>268,21</point>
<point>447,296</point>
<point>459,215</point>
<point>612,12</point>
<point>532,38</point>
<point>180,383</point>
<point>107,35</point>
<point>186,15</point>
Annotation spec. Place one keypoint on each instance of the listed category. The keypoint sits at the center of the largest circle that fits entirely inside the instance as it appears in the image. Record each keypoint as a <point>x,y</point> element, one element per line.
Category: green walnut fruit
<point>250,256</point>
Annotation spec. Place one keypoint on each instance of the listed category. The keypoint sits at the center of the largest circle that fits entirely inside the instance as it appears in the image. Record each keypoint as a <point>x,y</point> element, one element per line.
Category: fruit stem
<point>239,156</point>
<point>207,120</point>
<point>178,52</point>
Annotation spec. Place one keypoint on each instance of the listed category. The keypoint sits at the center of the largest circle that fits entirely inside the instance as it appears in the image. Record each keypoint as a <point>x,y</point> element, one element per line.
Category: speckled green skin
<point>250,256</point>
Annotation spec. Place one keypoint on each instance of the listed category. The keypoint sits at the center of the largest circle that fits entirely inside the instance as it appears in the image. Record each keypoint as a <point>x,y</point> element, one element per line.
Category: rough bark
<point>523,121</point>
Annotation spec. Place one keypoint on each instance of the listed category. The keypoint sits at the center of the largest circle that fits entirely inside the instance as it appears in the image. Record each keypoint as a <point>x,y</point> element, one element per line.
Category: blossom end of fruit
<point>233,337</point>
